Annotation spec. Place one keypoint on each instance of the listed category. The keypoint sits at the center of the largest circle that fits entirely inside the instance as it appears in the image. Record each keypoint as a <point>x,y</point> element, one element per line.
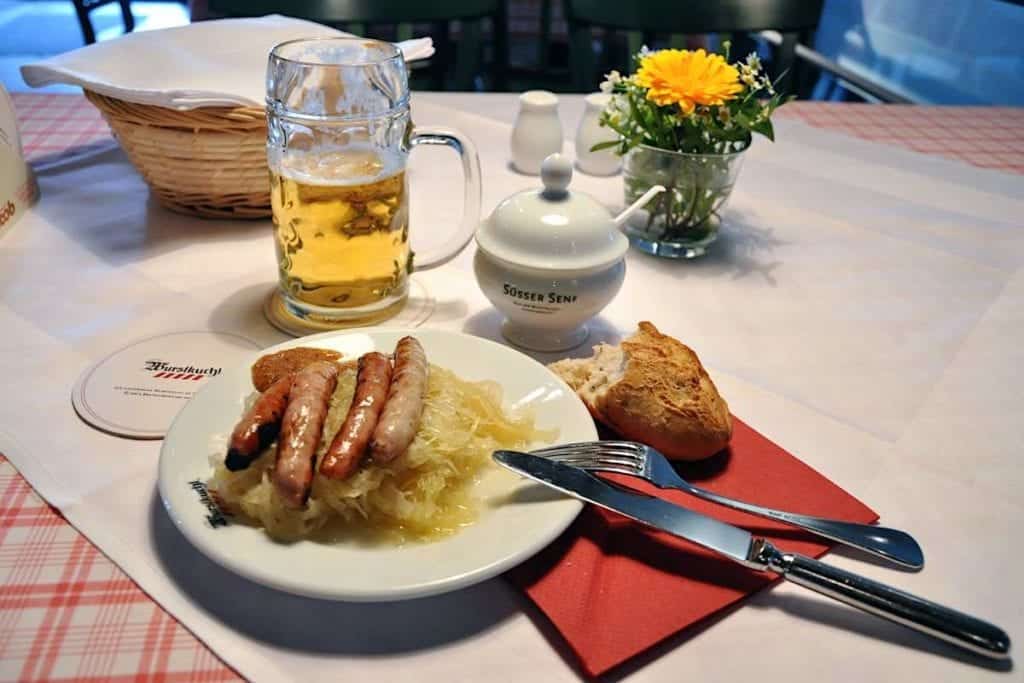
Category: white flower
<point>611,79</point>
<point>617,110</point>
<point>644,51</point>
<point>749,71</point>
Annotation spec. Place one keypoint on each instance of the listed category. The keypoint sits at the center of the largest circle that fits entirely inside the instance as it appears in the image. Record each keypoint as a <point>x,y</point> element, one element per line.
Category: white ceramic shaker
<point>590,133</point>
<point>537,132</point>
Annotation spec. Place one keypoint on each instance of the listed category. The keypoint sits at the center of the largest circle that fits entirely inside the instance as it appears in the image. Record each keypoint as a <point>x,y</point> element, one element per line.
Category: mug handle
<point>444,253</point>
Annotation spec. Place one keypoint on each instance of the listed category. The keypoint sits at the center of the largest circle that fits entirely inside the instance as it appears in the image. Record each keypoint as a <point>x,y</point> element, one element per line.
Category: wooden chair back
<point>355,16</point>
<point>796,20</point>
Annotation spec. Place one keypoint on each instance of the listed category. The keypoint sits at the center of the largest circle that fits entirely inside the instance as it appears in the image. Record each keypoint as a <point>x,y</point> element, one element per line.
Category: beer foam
<point>355,165</point>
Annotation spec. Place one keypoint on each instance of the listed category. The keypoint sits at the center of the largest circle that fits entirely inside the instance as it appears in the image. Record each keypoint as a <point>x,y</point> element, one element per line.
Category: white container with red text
<point>18,189</point>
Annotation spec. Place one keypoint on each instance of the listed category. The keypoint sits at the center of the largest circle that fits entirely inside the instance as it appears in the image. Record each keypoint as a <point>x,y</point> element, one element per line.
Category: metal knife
<point>740,546</point>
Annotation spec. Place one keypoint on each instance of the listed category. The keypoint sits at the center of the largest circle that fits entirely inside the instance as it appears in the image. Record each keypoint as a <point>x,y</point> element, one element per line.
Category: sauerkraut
<point>424,494</point>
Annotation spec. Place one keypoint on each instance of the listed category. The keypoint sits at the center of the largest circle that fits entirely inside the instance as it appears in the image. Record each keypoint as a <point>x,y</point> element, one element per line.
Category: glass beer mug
<point>339,135</point>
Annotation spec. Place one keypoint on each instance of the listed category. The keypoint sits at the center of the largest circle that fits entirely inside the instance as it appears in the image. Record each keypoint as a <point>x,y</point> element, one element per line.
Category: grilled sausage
<point>301,427</point>
<point>259,426</point>
<point>402,411</point>
<point>349,444</point>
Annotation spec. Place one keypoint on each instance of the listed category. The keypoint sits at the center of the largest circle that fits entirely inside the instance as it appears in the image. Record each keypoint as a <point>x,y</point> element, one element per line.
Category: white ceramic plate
<point>510,528</point>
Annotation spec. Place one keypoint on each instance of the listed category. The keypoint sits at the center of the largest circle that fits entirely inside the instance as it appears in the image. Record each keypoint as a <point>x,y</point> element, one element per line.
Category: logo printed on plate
<point>137,391</point>
<point>216,516</point>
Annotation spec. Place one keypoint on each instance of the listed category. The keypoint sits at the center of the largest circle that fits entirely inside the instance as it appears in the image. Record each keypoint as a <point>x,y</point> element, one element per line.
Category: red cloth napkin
<point>614,588</point>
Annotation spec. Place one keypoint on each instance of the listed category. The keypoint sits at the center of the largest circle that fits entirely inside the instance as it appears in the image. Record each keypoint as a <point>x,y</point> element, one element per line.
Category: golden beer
<point>339,134</point>
<point>341,227</point>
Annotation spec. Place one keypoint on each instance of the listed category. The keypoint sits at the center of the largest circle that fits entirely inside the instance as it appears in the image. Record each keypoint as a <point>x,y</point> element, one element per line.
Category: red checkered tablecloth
<point>67,613</point>
<point>53,126</point>
<point>989,137</point>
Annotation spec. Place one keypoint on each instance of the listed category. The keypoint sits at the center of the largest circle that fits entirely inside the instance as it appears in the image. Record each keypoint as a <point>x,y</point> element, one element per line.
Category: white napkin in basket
<point>206,64</point>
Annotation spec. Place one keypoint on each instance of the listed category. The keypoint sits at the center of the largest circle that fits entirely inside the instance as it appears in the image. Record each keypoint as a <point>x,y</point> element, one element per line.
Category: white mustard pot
<point>550,260</point>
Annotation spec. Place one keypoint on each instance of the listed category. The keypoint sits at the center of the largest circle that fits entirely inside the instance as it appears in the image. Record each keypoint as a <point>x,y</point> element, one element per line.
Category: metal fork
<point>639,460</point>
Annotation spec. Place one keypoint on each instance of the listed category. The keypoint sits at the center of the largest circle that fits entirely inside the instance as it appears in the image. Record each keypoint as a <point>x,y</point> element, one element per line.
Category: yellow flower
<point>687,78</point>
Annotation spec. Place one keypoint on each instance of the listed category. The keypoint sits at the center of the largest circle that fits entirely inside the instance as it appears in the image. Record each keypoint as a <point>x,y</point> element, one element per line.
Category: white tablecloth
<point>864,308</point>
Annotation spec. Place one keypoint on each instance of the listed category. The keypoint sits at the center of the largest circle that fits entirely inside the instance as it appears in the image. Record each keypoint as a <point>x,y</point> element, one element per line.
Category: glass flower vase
<point>682,221</point>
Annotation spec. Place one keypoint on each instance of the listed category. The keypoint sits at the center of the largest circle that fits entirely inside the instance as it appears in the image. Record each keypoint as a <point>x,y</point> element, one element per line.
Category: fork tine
<point>592,447</point>
<point>596,455</point>
<point>608,456</point>
<point>619,468</point>
<point>619,445</point>
<point>590,453</point>
<point>614,469</point>
<point>631,445</point>
<point>584,461</point>
<point>567,447</point>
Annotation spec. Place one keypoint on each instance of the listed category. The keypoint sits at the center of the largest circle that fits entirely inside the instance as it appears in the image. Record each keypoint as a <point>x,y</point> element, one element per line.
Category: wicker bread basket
<point>210,161</point>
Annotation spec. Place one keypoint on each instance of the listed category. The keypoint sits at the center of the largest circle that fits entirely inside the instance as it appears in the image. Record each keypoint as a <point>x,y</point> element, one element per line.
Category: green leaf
<point>604,145</point>
<point>765,128</point>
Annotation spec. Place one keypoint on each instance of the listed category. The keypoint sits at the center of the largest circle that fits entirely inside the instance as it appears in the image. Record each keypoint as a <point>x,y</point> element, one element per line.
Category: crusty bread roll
<point>272,367</point>
<point>652,389</point>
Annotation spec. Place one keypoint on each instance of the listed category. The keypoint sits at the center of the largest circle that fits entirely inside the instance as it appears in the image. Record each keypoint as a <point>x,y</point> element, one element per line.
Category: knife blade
<point>925,616</point>
<point>722,538</point>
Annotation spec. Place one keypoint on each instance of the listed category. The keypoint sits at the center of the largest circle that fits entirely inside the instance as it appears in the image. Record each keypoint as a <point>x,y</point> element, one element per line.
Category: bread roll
<point>653,389</point>
<point>272,367</point>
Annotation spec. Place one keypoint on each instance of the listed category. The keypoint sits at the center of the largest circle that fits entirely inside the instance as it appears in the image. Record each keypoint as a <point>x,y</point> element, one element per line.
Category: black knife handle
<point>889,603</point>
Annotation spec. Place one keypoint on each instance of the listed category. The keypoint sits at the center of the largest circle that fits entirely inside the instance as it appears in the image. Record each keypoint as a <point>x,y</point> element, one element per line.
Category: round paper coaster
<point>417,309</point>
<point>137,391</point>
